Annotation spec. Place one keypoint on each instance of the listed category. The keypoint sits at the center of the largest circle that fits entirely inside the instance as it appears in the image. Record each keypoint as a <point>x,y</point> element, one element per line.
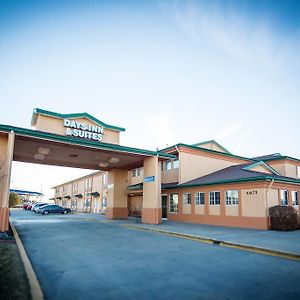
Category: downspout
<point>179,169</point>
<point>268,190</point>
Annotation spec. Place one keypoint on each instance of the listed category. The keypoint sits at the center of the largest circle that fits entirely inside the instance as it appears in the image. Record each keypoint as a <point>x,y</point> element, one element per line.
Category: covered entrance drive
<point>35,146</point>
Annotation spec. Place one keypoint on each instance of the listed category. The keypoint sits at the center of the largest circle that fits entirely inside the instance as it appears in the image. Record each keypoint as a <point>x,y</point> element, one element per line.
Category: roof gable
<point>212,145</point>
<point>38,111</point>
<point>261,167</point>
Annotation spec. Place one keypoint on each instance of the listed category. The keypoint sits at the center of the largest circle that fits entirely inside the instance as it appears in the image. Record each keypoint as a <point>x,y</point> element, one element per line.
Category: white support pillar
<point>117,194</point>
<point>152,213</point>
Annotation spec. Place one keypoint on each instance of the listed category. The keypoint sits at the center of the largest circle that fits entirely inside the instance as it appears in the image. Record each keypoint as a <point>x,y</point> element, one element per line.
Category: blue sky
<point>167,71</point>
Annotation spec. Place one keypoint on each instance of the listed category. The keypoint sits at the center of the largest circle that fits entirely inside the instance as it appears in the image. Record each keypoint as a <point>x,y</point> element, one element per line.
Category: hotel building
<point>201,183</point>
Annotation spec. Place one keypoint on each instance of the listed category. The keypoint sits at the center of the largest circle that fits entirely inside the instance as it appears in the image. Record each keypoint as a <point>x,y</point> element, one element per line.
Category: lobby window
<point>176,164</point>
<point>174,203</point>
<point>284,196</point>
<point>199,198</point>
<point>295,199</point>
<point>214,198</point>
<point>187,199</point>
<point>232,197</point>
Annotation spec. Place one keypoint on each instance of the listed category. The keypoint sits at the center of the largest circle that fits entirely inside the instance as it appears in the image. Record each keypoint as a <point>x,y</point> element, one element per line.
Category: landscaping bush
<point>283,218</point>
<point>14,199</point>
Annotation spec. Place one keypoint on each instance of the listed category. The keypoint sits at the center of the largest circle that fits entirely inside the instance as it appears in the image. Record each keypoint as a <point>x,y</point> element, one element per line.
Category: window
<point>104,202</point>
<point>176,164</point>
<point>104,179</point>
<point>186,199</point>
<point>88,183</point>
<point>295,200</point>
<point>168,165</point>
<point>298,171</point>
<point>199,198</point>
<point>136,172</point>
<point>214,198</point>
<point>232,197</point>
<point>174,203</point>
<point>284,196</point>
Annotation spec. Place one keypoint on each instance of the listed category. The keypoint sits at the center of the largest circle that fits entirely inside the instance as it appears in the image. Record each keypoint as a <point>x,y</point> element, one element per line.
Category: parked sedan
<point>53,208</point>
<point>38,205</point>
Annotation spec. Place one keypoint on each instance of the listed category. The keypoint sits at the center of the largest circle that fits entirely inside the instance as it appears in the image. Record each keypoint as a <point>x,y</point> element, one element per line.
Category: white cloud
<point>229,130</point>
<point>239,36</point>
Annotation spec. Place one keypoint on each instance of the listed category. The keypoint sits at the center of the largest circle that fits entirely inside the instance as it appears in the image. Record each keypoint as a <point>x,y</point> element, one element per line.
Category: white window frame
<point>213,200</point>
<point>168,165</point>
<point>137,172</point>
<point>187,199</point>
<point>176,164</point>
<point>230,199</point>
<point>172,206</point>
<point>298,171</point>
<point>104,179</point>
<point>284,202</point>
<point>295,200</point>
<point>198,199</point>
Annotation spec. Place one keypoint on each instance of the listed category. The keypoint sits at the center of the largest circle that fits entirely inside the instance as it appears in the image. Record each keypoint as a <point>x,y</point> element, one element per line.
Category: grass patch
<point>13,280</point>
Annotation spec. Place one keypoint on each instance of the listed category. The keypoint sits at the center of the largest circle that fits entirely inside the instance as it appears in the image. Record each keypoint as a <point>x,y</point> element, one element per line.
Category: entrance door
<point>164,206</point>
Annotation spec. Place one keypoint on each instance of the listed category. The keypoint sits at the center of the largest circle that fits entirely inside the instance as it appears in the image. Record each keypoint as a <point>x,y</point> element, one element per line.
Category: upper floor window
<point>176,164</point>
<point>74,186</point>
<point>174,203</point>
<point>295,199</point>
<point>168,165</point>
<point>186,198</point>
<point>214,198</point>
<point>137,172</point>
<point>104,179</point>
<point>298,171</point>
<point>88,183</point>
<point>284,196</point>
<point>232,197</point>
<point>199,198</point>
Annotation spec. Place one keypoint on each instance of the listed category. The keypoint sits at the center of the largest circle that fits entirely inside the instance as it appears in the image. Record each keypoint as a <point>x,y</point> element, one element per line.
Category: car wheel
<point>65,212</point>
<point>46,212</point>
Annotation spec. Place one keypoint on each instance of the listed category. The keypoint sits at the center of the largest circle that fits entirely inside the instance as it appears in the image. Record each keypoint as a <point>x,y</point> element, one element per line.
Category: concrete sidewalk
<point>278,241</point>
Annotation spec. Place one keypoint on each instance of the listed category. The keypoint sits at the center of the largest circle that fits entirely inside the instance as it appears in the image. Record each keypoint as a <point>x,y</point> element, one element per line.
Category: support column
<point>6,157</point>
<point>152,213</point>
<point>117,194</point>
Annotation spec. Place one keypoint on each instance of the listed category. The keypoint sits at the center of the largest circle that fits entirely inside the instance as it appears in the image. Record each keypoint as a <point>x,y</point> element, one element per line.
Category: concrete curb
<point>35,288</point>
<point>256,249</point>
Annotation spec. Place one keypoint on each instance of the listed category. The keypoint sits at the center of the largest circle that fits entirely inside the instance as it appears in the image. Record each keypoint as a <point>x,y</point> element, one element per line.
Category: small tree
<point>14,199</point>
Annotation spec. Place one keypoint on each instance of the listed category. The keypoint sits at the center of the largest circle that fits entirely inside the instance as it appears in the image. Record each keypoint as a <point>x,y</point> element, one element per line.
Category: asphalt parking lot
<point>87,257</point>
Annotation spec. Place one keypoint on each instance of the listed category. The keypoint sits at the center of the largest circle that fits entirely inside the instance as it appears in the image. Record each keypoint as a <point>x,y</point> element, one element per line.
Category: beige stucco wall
<point>199,209</point>
<point>193,166</point>
<point>135,180</point>
<point>214,209</point>
<point>231,210</point>
<point>212,146</point>
<point>285,169</point>
<point>272,197</point>
<point>56,125</point>
<point>291,171</point>
<point>280,168</point>
<point>168,176</point>
<point>186,209</point>
<point>254,205</point>
<point>261,169</point>
<point>97,183</point>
